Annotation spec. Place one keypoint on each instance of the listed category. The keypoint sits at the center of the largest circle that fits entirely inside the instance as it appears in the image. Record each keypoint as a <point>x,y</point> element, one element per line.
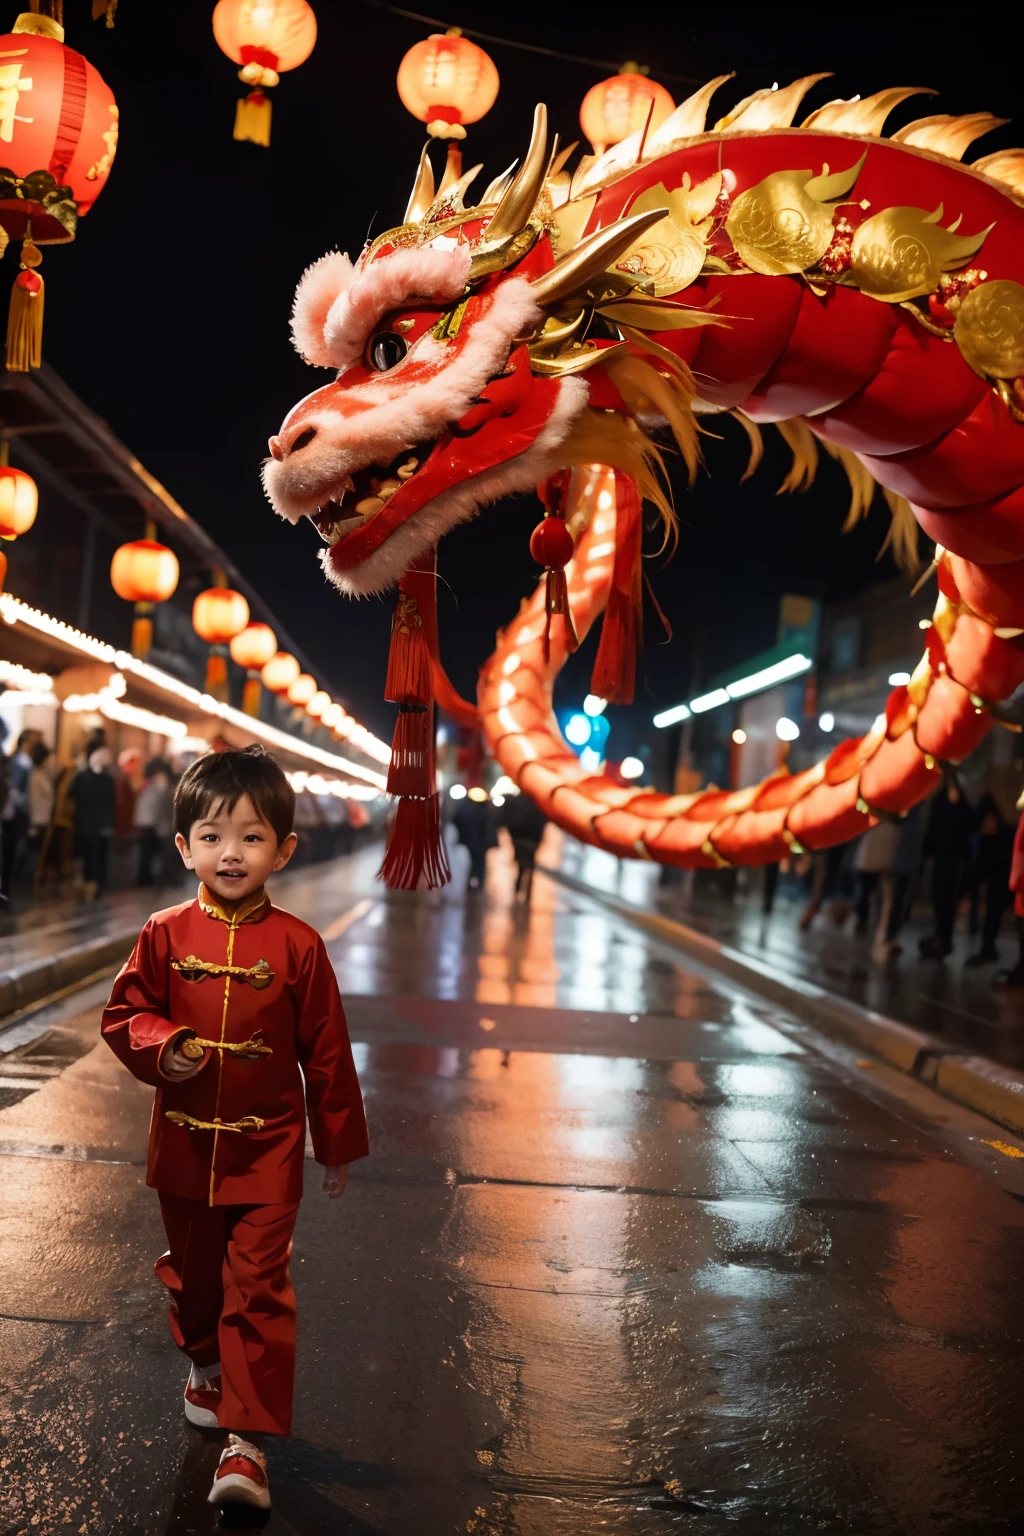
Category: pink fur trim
<point>387,284</point>
<point>411,404</point>
<point>461,502</point>
<point>319,287</point>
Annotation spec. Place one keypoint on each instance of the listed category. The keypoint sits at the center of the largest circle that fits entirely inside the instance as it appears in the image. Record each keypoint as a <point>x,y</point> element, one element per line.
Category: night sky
<point>169,314</point>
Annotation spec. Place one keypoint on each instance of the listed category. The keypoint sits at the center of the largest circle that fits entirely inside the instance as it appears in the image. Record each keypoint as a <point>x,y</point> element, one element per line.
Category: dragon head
<point>457,342</point>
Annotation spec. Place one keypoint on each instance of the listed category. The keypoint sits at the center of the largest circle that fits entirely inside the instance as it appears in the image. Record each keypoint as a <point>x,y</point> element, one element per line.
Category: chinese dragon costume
<point>857,291</point>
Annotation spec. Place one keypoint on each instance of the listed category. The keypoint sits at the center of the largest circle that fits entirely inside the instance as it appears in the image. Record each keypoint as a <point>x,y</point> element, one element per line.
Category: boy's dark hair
<point>218,780</point>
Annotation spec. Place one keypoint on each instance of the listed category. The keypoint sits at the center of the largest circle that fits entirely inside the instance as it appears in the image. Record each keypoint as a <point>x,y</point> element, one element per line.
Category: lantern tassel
<point>614,675</point>
<point>409,678</point>
<point>142,635</point>
<point>252,119</point>
<point>412,751</point>
<point>556,600</point>
<point>416,854</point>
<point>25,316</point>
<point>251,695</point>
<point>217,674</point>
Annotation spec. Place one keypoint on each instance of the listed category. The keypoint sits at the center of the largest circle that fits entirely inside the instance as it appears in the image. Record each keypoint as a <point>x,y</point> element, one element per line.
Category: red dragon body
<point>861,292</point>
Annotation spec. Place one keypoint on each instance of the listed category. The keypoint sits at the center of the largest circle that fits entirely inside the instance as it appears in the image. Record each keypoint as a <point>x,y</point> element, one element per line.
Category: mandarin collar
<point>253,910</point>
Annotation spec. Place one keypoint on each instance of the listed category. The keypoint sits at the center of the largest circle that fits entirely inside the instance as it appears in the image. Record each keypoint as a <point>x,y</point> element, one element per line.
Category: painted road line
<point>343,923</point>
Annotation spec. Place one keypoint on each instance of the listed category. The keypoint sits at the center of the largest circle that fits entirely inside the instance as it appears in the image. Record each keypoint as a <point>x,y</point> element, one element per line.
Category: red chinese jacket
<point>259,992</point>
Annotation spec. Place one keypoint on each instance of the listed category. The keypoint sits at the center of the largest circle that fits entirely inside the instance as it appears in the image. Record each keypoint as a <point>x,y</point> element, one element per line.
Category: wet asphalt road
<point>634,1253</point>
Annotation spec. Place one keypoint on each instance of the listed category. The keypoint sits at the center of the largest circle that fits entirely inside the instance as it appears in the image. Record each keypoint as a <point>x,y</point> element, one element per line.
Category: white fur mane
<point>337,305</point>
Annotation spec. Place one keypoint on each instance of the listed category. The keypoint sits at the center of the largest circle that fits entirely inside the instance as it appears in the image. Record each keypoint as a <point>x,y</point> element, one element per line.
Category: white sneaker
<point>241,1476</point>
<point>202,1396</point>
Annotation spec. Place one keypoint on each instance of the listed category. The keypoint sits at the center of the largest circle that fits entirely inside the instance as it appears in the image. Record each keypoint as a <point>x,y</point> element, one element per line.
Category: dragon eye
<point>386,350</point>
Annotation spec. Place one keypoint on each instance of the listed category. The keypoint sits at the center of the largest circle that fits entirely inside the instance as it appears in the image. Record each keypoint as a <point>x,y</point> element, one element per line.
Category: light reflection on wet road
<point>630,1255</point>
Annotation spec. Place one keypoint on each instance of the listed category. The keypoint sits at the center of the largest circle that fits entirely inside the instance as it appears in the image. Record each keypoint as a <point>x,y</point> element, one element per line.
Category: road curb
<point>23,985</point>
<point>991,1090</point>
<point>983,1085</point>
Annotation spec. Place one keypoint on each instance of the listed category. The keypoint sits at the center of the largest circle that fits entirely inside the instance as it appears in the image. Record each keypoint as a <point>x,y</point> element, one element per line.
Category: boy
<point>227,1006</point>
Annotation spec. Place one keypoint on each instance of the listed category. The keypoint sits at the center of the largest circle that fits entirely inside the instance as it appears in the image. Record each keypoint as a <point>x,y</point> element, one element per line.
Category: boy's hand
<point>335,1180</point>
<point>174,1064</point>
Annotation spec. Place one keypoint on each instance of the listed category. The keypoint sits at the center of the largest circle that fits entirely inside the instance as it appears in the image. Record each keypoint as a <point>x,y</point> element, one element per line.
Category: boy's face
<point>233,852</point>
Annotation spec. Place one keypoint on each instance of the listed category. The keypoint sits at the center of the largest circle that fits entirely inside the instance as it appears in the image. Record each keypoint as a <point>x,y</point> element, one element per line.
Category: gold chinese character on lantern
<point>11,90</point>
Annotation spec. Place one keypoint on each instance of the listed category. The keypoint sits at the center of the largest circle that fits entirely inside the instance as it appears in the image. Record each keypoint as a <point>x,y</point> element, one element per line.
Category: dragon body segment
<point>862,293</point>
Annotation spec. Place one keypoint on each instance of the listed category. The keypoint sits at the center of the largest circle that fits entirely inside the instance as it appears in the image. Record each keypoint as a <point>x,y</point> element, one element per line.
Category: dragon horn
<point>423,190</point>
<point>591,257</point>
<point>513,212</point>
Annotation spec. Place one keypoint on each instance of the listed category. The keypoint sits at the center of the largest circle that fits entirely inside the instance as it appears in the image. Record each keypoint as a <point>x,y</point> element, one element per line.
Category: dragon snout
<point>280,448</point>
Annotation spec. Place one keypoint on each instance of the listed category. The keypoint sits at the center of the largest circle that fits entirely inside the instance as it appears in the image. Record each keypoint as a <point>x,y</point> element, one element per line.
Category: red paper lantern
<point>19,501</point>
<point>219,614</point>
<point>447,81</point>
<point>58,136</point>
<point>254,647</point>
<point>320,702</point>
<point>302,690</point>
<point>144,572</point>
<point>3,569</point>
<point>267,37</point>
<point>280,672</point>
<point>617,107</point>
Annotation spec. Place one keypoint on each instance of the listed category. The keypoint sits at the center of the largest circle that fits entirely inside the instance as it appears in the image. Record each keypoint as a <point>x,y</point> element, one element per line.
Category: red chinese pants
<point>227,1272</point>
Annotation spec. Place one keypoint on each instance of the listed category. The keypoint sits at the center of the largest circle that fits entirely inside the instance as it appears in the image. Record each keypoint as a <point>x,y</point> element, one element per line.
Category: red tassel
<point>408,680</point>
<point>614,675</point>
<point>556,600</point>
<point>412,752</point>
<point>416,857</point>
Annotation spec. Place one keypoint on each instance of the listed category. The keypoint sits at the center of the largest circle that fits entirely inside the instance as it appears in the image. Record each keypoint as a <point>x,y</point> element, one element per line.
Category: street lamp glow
<point>756,682</point>
<point>709,701</point>
<point>672,716</point>
<point>577,731</point>
<point>827,722</point>
<point>778,672</point>
<point>458,791</point>
<point>739,736</point>
<point>631,768</point>
<point>594,706</point>
<point>787,730</point>
<point>478,795</point>
<point>898,679</point>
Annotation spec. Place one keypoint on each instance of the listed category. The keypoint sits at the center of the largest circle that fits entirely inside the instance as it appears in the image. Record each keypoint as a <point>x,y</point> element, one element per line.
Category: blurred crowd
<point>949,860</point>
<point>476,821</point>
<point>58,819</point>
<point>75,828</point>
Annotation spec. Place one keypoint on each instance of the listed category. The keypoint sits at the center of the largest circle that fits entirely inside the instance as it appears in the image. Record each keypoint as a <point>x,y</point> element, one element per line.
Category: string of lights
<point>511,42</point>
